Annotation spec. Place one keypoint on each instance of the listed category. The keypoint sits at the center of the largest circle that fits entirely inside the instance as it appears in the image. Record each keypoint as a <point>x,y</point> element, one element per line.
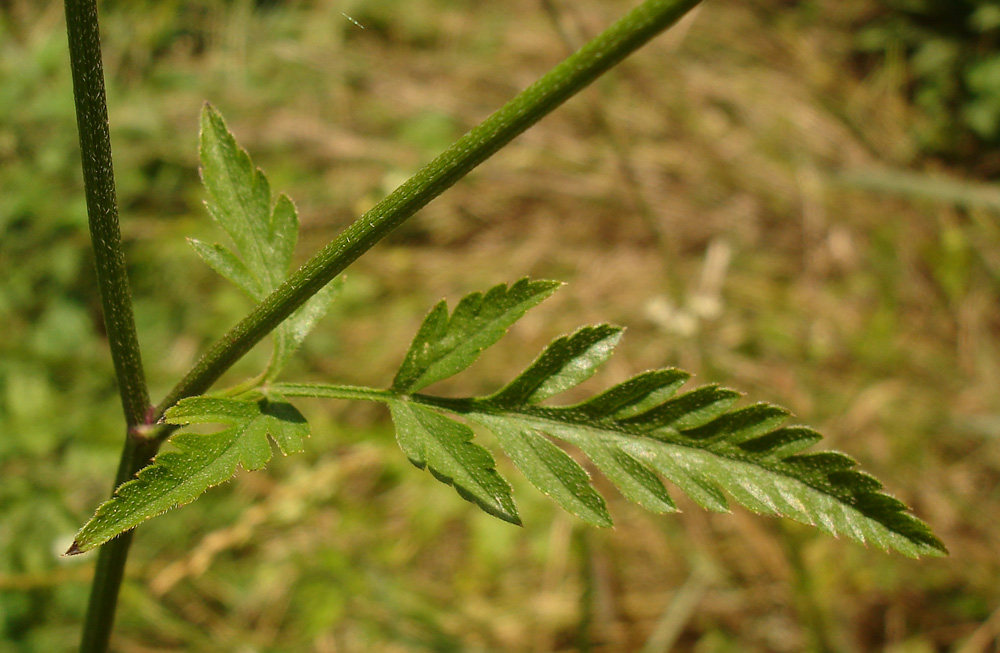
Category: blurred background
<point>791,198</point>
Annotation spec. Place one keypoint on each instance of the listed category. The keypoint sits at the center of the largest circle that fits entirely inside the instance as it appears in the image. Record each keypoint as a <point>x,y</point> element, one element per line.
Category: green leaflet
<point>566,363</point>
<point>445,447</point>
<point>549,469</point>
<point>290,333</point>
<point>264,235</point>
<point>200,462</point>
<point>240,202</point>
<point>632,477</point>
<point>227,264</point>
<point>635,433</point>
<point>445,345</point>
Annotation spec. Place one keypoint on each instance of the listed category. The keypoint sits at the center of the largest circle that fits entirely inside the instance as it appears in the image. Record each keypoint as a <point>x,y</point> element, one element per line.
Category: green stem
<point>632,31</point>
<point>327,391</point>
<point>102,209</point>
<point>110,568</point>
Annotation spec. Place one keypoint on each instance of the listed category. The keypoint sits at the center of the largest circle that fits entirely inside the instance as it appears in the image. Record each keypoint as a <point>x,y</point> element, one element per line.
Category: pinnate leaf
<point>199,462</point>
<point>635,433</point>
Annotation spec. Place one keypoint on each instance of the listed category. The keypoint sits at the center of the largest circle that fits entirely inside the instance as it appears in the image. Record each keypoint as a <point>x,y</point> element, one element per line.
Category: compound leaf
<point>199,462</point>
<point>635,433</point>
<point>710,453</point>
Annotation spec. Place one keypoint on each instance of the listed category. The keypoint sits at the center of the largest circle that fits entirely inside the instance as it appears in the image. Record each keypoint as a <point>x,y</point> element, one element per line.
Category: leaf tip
<point>937,550</point>
<point>74,549</point>
<point>208,109</point>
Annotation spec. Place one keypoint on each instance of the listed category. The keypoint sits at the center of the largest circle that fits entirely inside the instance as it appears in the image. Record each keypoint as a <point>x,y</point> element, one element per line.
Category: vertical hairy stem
<point>598,56</point>
<point>110,568</point>
<point>102,210</point>
<point>102,207</point>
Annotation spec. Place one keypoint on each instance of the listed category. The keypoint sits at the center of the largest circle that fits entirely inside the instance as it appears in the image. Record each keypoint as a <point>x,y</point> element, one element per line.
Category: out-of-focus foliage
<point>950,50</point>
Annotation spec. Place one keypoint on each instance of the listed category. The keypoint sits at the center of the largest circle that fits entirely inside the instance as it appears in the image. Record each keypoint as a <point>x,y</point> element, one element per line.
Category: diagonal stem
<point>602,53</point>
<point>102,210</point>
